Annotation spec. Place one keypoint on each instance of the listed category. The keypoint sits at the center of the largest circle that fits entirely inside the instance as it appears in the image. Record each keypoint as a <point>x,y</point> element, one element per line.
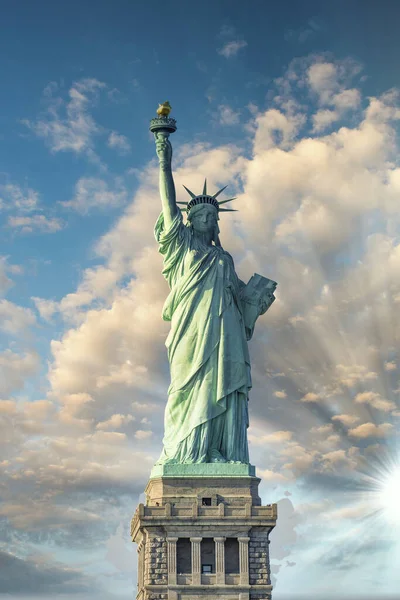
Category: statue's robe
<point>207,404</point>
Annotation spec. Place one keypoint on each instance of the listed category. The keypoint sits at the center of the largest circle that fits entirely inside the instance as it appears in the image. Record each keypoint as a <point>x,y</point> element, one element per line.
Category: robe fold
<point>207,350</point>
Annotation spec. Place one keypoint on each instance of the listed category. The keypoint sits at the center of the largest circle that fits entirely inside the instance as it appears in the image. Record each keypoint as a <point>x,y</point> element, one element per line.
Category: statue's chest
<point>214,260</point>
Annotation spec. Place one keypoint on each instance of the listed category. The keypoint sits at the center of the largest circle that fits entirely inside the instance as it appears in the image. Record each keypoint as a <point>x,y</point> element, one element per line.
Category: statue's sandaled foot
<point>216,457</point>
<point>235,462</point>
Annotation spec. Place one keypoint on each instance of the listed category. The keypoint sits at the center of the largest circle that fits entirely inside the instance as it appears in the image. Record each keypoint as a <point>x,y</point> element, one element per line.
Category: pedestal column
<point>171,559</point>
<point>220,560</point>
<point>196,560</point>
<point>244,560</point>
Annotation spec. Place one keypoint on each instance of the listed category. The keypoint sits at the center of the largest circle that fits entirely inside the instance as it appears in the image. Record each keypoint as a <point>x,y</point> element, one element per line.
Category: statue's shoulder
<point>175,232</point>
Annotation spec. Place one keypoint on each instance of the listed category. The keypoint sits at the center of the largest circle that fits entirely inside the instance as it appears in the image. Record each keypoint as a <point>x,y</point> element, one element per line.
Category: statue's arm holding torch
<point>166,182</point>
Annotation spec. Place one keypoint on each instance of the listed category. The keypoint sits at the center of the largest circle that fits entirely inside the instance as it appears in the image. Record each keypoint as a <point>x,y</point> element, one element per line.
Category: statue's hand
<point>163,148</point>
<point>266,303</point>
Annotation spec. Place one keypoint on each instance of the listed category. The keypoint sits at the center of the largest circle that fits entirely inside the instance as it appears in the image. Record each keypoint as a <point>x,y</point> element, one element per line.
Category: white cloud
<point>347,99</point>
<point>228,116</point>
<point>119,142</point>
<point>310,397</point>
<point>271,476</point>
<point>68,125</point>
<point>15,369</point>
<point>15,319</point>
<point>350,375</point>
<point>36,223</point>
<point>390,366</point>
<point>46,308</point>
<point>367,430</point>
<point>7,269</point>
<point>275,129</point>
<point>338,457</point>
<point>92,193</point>
<point>13,197</point>
<point>375,400</point>
<point>300,459</point>
<point>232,48</point>
<point>114,422</point>
<point>142,434</point>
<point>322,78</point>
<point>322,429</point>
<point>323,118</point>
<point>346,420</point>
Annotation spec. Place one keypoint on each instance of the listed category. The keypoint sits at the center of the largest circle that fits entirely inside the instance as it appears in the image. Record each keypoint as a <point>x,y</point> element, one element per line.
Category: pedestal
<point>203,534</point>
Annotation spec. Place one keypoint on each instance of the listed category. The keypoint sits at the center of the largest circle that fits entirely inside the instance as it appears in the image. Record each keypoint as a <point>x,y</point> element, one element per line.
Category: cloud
<point>390,366</point>
<point>67,125</point>
<point>268,475</point>
<point>92,193</point>
<point>323,118</point>
<point>277,437</point>
<point>232,48</point>
<point>31,575</point>
<point>227,116</point>
<point>13,197</point>
<point>310,397</point>
<point>46,308</point>
<point>350,375</point>
<point>346,420</point>
<point>115,422</point>
<point>26,212</point>
<point>119,142</point>
<point>367,430</point>
<point>7,269</point>
<point>15,319</point>
<point>375,400</point>
<point>15,369</point>
<point>142,434</point>
<point>338,457</point>
<point>35,223</point>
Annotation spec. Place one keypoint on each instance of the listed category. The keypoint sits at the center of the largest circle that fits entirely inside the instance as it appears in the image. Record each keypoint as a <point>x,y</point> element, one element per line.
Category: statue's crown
<point>205,198</point>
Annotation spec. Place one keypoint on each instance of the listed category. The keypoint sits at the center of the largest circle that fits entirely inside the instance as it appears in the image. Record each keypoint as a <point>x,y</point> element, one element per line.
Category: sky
<point>294,106</point>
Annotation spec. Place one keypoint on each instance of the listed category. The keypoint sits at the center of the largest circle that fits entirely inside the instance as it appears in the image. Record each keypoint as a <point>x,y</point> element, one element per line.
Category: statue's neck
<point>205,238</point>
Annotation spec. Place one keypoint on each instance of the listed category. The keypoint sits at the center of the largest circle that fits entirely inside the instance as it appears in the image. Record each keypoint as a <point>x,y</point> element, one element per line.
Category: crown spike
<point>218,193</point>
<point>228,210</point>
<point>189,192</point>
<point>229,200</point>
<point>205,187</point>
<point>185,203</point>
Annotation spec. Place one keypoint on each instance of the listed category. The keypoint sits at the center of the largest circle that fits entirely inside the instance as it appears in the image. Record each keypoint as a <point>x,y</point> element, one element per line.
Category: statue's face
<point>205,219</point>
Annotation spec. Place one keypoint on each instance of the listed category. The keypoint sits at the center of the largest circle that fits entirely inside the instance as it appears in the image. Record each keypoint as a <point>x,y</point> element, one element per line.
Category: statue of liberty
<point>212,315</point>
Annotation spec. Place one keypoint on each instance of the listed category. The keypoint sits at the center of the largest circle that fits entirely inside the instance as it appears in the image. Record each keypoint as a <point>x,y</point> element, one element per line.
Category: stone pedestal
<point>203,534</point>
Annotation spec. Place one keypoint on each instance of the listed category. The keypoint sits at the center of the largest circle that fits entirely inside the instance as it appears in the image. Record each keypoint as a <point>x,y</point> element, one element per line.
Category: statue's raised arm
<point>166,181</point>
<point>162,126</point>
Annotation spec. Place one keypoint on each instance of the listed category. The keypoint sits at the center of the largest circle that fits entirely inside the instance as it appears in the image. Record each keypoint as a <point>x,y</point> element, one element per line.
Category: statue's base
<point>202,534</point>
<point>203,470</point>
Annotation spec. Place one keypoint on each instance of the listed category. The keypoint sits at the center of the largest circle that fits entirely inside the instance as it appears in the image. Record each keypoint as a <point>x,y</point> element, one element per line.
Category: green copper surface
<point>212,315</point>
<point>203,470</point>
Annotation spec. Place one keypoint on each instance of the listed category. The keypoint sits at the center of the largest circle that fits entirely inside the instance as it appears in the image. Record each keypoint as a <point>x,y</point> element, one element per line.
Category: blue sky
<point>295,106</point>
